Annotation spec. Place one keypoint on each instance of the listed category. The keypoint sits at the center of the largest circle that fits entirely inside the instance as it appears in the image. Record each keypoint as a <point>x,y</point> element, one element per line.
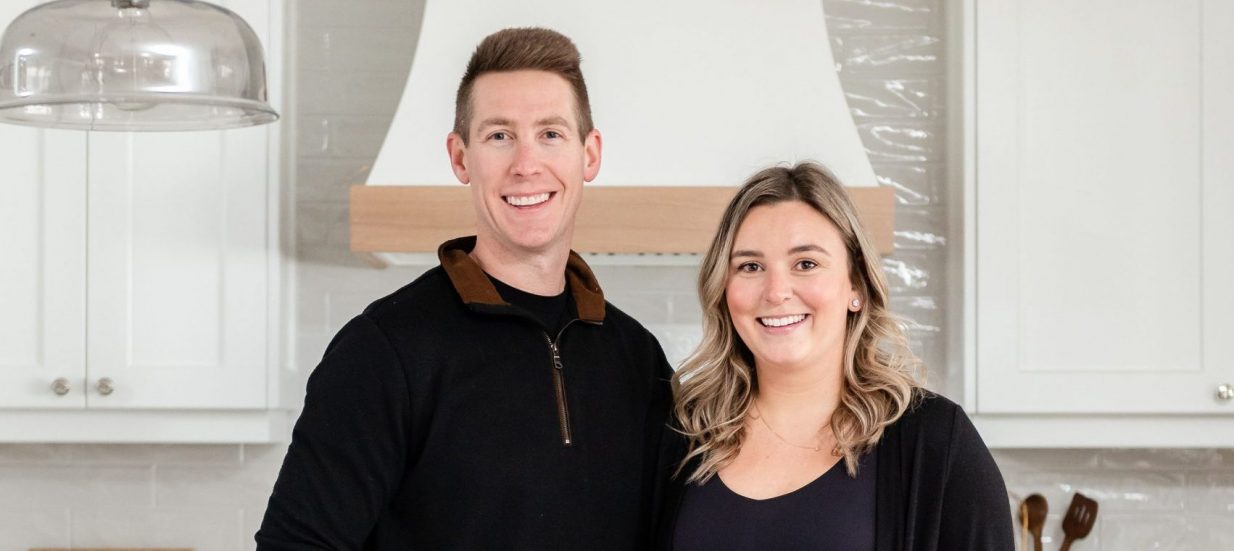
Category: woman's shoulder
<point>929,406</point>
<point>934,417</point>
<point>936,437</point>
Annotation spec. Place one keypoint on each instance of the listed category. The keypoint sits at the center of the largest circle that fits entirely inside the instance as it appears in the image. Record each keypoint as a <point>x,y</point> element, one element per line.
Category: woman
<point>805,421</point>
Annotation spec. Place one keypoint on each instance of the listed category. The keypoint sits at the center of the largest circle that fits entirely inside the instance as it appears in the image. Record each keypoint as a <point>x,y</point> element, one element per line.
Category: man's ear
<point>592,146</point>
<point>457,150</point>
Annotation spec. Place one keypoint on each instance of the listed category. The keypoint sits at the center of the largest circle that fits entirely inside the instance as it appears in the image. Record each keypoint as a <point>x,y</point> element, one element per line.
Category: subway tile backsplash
<point>351,59</point>
<point>212,497</point>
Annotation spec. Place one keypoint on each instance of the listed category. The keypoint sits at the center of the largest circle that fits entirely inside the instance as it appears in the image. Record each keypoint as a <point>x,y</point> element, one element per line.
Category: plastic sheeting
<point>889,56</point>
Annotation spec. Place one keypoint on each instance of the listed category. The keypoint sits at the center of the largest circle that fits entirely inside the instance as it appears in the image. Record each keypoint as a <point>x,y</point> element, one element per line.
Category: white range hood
<point>685,92</point>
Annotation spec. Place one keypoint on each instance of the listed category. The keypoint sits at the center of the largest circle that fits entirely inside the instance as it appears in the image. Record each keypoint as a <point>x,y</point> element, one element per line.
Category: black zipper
<point>559,384</point>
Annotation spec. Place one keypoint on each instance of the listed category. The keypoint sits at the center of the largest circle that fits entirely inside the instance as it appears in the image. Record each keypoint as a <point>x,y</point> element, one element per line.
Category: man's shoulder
<point>624,323</point>
<point>422,296</point>
<point>637,341</point>
<point>619,317</point>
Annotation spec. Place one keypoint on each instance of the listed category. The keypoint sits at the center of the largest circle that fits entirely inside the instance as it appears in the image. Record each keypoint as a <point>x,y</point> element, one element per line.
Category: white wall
<point>349,62</point>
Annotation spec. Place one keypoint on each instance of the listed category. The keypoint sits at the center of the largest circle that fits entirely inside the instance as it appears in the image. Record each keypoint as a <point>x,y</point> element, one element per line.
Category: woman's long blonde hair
<point>716,385</point>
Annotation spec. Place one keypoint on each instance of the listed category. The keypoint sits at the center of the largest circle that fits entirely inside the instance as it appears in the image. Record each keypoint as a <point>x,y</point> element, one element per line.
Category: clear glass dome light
<point>132,65</point>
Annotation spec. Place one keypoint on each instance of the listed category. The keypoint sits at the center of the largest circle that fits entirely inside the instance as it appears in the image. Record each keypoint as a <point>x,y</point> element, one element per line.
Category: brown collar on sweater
<point>474,286</point>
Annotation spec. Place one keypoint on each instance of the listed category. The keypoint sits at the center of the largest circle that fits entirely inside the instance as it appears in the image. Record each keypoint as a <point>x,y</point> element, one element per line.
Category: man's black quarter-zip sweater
<point>444,418</point>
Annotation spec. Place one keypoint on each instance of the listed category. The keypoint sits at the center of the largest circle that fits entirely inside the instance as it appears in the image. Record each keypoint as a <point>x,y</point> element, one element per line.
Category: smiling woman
<point>790,244</point>
<point>802,369</point>
<point>785,251</point>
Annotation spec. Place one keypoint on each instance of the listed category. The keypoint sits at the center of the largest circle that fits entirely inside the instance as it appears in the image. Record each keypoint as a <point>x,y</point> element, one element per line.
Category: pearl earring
<point>856,303</point>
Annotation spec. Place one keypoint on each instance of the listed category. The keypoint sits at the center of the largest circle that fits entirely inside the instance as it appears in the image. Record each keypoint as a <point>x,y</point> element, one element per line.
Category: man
<point>497,402</point>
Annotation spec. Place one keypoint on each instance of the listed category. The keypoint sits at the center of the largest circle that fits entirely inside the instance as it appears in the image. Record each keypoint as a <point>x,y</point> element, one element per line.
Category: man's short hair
<point>517,49</point>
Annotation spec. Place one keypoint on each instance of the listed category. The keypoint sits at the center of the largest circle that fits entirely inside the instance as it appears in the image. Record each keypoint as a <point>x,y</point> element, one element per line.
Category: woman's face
<point>788,289</point>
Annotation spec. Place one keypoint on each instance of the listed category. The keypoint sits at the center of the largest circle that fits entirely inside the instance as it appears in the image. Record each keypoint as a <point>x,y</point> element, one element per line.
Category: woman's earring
<point>856,304</point>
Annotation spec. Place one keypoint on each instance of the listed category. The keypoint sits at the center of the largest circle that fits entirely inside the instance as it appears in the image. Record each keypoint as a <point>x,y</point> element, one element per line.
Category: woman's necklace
<point>763,418</point>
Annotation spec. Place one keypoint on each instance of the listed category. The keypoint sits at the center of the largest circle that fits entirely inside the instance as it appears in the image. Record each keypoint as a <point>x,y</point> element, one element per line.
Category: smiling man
<point>523,140</point>
<point>498,401</point>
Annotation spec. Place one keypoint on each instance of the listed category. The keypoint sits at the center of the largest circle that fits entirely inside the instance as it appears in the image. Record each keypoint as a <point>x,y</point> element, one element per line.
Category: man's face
<point>524,161</point>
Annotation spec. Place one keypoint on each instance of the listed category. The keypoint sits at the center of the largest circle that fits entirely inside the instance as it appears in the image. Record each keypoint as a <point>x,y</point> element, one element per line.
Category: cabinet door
<point>42,261</point>
<point>177,289</point>
<point>42,266</point>
<point>1104,176</point>
<point>181,240</point>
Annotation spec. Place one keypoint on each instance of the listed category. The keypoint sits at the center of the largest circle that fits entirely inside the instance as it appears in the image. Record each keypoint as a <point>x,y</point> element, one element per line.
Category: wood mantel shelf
<point>612,219</point>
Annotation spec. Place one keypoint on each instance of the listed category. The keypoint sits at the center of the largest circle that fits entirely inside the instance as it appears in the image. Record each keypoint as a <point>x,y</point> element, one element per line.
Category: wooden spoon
<point>1023,526</point>
<point>1037,510</point>
<point>1081,516</point>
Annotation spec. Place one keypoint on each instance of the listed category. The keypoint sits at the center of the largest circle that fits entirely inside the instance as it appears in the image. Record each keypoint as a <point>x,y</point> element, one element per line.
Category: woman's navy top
<point>834,512</point>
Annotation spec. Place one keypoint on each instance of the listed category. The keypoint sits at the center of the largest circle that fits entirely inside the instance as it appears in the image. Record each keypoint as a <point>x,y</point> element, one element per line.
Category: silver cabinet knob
<point>1225,392</point>
<point>61,386</point>
<point>106,386</point>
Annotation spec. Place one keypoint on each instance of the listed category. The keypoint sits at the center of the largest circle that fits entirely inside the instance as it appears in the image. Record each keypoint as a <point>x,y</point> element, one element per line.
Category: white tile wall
<point>87,486</point>
<point>202,497</point>
<point>30,527</point>
<point>1149,499</point>
<point>206,529</point>
<point>351,59</point>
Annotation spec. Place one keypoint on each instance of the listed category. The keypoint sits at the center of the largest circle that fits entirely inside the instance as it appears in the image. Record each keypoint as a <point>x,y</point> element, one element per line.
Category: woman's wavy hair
<point>716,385</point>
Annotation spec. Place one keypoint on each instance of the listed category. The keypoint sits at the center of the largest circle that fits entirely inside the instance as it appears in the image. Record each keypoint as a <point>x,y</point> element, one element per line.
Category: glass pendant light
<point>132,65</point>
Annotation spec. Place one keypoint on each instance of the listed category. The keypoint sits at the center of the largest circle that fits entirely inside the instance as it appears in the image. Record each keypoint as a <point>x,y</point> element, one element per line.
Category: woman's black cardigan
<point>938,488</point>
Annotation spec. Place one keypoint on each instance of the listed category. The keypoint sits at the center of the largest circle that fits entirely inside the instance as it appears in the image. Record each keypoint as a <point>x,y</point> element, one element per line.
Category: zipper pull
<point>556,357</point>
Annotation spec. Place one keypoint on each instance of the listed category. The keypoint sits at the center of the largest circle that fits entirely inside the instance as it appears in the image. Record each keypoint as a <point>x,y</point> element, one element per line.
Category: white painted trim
<point>1106,431</point>
<point>139,427</point>
<point>962,212</point>
<point>281,308</point>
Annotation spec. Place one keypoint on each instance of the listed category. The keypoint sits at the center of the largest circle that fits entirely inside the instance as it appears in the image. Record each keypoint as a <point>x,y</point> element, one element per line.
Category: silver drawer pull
<point>61,386</point>
<point>1225,392</point>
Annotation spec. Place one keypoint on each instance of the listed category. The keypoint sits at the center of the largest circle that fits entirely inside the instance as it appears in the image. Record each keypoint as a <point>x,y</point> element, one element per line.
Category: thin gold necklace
<point>763,418</point>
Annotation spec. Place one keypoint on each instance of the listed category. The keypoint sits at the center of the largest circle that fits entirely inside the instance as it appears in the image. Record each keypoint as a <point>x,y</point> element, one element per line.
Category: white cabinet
<point>1100,187</point>
<point>151,260</point>
<point>42,267</point>
<point>177,308</point>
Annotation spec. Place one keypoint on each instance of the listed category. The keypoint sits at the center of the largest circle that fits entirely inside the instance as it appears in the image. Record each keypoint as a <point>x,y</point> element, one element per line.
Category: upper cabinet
<point>1100,182</point>
<point>178,292</point>
<point>141,294</point>
<point>43,281</point>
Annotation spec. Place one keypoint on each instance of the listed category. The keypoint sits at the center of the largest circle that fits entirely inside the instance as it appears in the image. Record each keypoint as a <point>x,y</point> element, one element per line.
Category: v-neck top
<point>833,512</point>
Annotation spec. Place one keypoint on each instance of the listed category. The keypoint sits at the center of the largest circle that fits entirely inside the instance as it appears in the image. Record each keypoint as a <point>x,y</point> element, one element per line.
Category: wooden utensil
<point>1023,526</point>
<point>1037,510</point>
<point>1081,516</point>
